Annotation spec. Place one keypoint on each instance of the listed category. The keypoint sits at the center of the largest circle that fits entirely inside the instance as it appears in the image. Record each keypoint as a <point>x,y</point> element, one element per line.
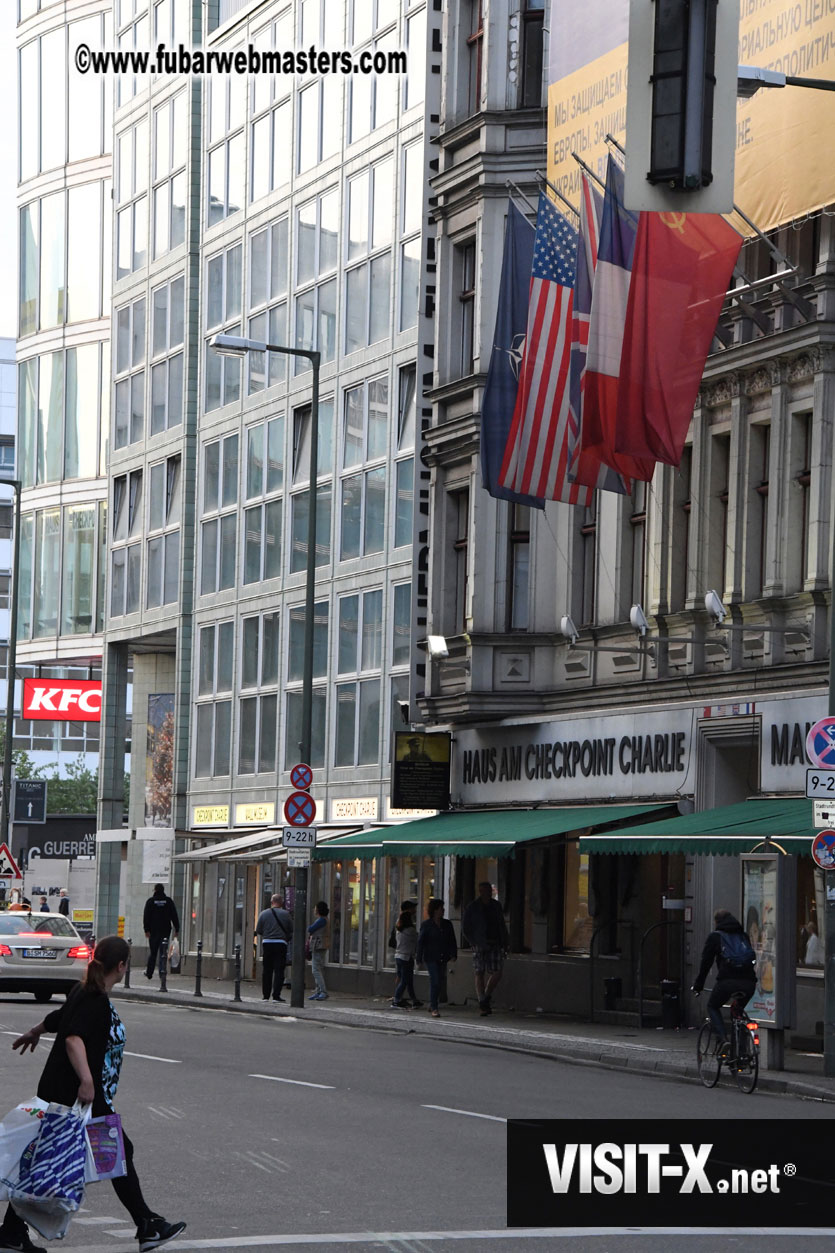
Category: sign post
<point>299,836</point>
<point>820,748</point>
<point>29,800</point>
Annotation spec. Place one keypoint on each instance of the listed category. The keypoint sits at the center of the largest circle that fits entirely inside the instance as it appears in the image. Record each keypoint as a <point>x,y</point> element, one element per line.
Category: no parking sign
<point>820,743</point>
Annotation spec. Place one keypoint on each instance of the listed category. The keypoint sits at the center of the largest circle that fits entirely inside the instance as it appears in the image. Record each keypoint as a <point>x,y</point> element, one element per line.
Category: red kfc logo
<point>48,699</point>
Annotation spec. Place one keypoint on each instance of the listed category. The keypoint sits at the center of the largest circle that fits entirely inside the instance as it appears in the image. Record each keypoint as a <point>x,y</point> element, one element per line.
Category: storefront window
<point>222,902</point>
<point>209,906</point>
<point>352,911</point>
<point>810,914</point>
<point>577,921</point>
<point>427,883</point>
<point>336,912</point>
<point>195,904</point>
<point>240,898</point>
<point>393,899</point>
<point>369,912</point>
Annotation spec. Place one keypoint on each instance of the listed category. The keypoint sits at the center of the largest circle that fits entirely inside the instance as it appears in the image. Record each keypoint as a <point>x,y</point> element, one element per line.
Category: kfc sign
<point>48,699</point>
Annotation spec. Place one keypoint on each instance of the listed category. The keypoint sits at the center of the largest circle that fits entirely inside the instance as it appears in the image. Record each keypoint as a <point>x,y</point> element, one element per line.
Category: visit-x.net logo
<point>723,1173</point>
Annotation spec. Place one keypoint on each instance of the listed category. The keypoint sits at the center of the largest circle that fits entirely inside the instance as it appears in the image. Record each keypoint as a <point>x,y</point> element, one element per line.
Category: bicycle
<point>741,1053</point>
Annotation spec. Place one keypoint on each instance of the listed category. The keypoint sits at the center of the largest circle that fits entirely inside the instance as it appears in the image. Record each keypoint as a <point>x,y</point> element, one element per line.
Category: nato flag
<point>506,358</point>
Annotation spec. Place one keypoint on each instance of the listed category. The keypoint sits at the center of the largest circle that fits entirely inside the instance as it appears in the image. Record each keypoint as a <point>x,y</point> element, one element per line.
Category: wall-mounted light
<point>638,619</point>
<point>568,629</point>
<point>714,606</point>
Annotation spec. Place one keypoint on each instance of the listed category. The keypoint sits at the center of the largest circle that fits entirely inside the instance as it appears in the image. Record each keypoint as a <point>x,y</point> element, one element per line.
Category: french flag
<point>607,325</point>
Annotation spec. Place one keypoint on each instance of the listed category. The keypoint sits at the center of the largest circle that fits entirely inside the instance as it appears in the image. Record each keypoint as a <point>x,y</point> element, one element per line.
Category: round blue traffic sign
<point>301,776</point>
<point>823,849</point>
<point>300,809</point>
<point>820,743</point>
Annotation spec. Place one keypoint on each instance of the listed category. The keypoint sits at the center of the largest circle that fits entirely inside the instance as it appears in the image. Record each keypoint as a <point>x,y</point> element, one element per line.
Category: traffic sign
<point>301,776</point>
<point>824,813</point>
<point>9,868</point>
<point>820,784</point>
<point>820,743</point>
<point>298,859</point>
<point>29,800</point>
<point>299,837</point>
<point>300,809</point>
<point>823,849</point>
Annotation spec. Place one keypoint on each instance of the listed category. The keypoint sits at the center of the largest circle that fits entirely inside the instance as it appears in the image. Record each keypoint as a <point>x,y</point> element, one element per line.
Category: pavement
<point>652,1051</point>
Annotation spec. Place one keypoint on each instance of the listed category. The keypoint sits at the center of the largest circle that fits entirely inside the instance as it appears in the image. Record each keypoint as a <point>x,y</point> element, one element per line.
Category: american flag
<point>536,454</point>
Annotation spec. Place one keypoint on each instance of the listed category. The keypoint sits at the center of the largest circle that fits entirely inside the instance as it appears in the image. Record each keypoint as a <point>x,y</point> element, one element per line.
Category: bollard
<point>127,968</point>
<point>163,965</point>
<point>237,995</point>
<point>198,969</point>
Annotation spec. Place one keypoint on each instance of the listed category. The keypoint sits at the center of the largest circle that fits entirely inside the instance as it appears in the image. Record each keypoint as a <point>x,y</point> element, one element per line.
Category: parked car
<point>40,953</point>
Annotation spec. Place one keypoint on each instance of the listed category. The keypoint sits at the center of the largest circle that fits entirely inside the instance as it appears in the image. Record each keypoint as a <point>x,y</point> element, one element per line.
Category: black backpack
<point>737,952</point>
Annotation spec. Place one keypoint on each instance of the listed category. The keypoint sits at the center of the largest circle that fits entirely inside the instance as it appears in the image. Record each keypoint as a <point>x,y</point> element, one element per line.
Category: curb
<point>510,1040</point>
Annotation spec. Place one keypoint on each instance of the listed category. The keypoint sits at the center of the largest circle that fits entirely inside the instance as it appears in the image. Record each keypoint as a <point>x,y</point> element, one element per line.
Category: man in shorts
<point>484,928</point>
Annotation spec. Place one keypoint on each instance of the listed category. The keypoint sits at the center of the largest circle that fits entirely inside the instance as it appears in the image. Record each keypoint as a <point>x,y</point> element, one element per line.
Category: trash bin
<point>611,992</point>
<point>670,1003</point>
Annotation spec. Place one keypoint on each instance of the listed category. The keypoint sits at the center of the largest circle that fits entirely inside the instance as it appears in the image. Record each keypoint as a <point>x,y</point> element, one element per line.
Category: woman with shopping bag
<point>84,1065</point>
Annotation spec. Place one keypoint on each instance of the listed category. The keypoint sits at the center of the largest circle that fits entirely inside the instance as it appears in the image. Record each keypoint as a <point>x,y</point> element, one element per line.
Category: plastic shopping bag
<point>50,1182</point>
<point>107,1144</point>
<point>174,957</point>
<point>17,1130</point>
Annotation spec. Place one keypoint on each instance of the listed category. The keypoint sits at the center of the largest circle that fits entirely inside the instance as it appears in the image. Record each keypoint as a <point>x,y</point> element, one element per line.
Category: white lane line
<point>299,1082</point>
<point>502,1233</point>
<point>468,1113</point>
<point>172,1061</point>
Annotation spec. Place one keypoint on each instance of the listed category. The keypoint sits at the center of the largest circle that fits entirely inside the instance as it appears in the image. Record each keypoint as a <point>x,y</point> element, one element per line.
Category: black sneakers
<point>155,1232</point>
<point>20,1244</point>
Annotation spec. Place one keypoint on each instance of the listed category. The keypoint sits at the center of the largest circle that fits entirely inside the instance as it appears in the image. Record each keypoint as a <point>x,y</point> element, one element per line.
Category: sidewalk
<point>651,1051</point>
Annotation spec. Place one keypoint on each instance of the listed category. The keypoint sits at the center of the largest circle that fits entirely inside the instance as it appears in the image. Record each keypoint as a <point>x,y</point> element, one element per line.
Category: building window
<point>64,258</point>
<point>126,555</point>
<point>717,513</point>
<point>263,521</point>
<point>227,146</point>
<point>360,647</point>
<point>268,268</point>
<point>533,20</point>
<point>401,645</point>
<point>78,570</point>
<point>636,541</point>
<point>272,115</point>
<point>317,232</point>
<point>798,531</point>
<point>298,635</point>
<point>132,199</point>
<point>171,132</point>
<point>223,313</point>
<point>293,728</point>
<point>133,32</point>
<point>680,542</point>
<point>411,217</point>
<point>465,263</point>
<point>475,55</point>
<point>588,564</point>
<point>213,738</point>
<point>167,334</point>
<point>300,509</point>
<point>220,500</point>
<point>363,492</point>
<point>373,97</point>
<point>368,283</point>
<point>414,88</point>
<point>58,414</point>
<point>760,443</point>
<point>458,513</point>
<point>129,393</point>
<point>258,721</point>
<point>163,545</point>
<point>519,573</point>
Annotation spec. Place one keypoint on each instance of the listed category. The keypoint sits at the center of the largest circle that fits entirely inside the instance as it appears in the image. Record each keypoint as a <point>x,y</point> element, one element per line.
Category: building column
<point>111,803</point>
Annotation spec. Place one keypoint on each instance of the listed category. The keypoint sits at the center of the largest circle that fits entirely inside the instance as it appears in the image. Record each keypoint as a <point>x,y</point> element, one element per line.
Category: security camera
<point>714,606</point>
<point>436,646</point>
<point>403,706</point>
<point>568,628</point>
<point>638,620</point>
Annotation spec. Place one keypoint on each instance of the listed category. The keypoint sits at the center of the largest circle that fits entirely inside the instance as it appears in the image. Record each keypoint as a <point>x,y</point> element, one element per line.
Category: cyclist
<point>728,946</point>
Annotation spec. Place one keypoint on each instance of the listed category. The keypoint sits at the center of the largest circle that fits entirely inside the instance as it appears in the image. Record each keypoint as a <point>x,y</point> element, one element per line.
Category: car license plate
<point>40,952</point>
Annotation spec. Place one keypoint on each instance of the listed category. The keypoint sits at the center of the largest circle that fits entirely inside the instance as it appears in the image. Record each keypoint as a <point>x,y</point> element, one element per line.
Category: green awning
<point>726,831</point>
<point>476,833</point>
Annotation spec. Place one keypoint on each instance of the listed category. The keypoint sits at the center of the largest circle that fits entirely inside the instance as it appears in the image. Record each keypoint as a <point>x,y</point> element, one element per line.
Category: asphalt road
<point>267,1133</point>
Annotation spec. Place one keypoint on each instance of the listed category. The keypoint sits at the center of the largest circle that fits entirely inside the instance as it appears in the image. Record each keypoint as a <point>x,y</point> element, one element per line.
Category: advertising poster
<point>159,760</point>
<point>781,172</point>
<point>421,770</point>
<point>759,917</point>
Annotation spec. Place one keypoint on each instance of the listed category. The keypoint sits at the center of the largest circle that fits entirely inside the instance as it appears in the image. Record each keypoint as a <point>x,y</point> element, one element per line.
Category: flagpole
<point>513,189</point>
<point>558,194</point>
<point>588,170</point>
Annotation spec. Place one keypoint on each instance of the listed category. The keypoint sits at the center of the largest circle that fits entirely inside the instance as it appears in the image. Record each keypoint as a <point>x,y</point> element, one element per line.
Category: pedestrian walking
<point>63,903</point>
<point>84,1064</point>
<point>406,907</point>
<point>406,940</point>
<point>319,934</point>
<point>436,946</point>
<point>157,921</point>
<point>44,905</point>
<point>484,928</point>
<point>275,927</point>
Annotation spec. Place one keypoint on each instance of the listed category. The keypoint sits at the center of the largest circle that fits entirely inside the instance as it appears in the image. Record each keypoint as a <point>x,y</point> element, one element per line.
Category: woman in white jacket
<point>406,937</point>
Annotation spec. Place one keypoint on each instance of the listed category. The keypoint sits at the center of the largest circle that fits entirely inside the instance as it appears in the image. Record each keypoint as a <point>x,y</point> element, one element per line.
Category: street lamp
<point>11,664</point>
<point>235,346</point>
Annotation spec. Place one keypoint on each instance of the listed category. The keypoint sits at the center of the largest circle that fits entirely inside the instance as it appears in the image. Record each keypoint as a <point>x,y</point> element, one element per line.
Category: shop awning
<point>726,831</point>
<point>254,846</point>
<point>476,833</point>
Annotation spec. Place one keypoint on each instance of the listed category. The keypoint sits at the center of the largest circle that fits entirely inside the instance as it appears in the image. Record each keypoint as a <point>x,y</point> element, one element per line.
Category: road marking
<point>503,1233</point>
<point>469,1113</point>
<point>149,1057</point>
<point>299,1082</point>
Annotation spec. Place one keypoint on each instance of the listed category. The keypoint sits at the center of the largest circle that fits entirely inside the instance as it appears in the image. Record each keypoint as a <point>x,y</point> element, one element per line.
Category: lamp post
<point>11,665</point>
<point>234,346</point>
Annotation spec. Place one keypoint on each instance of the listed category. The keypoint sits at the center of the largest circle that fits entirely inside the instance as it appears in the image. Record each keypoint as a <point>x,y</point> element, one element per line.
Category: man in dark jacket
<point>731,975</point>
<point>275,927</point>
<point>159,917</point>
<point>483,926</point>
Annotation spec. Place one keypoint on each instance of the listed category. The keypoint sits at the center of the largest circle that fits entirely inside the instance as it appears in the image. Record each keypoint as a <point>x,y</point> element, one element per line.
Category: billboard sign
<point>420,770</point>
<point>47,699</point>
